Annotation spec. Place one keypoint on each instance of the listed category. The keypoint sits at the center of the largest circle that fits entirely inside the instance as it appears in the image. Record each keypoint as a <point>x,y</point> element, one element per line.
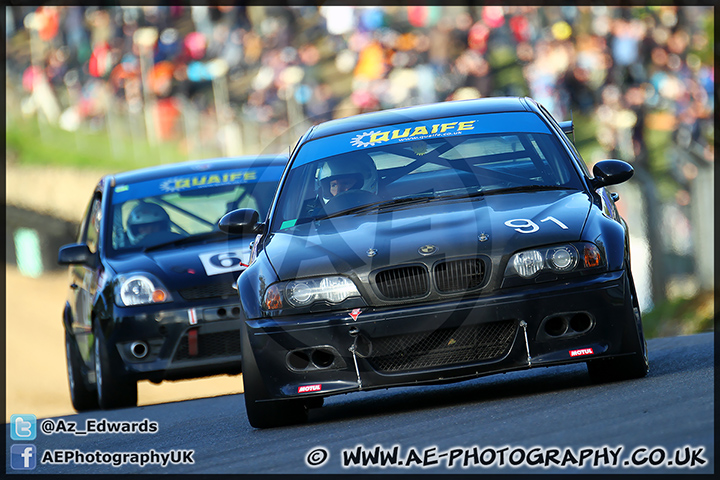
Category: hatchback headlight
<point>140,289</point>
<point>555,259</point>
<point>306,291</point>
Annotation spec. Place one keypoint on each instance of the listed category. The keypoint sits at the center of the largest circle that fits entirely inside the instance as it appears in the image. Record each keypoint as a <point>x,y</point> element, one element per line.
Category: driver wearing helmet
<point>341,175</point>
<point>343,183</point>
<point>149,223</point>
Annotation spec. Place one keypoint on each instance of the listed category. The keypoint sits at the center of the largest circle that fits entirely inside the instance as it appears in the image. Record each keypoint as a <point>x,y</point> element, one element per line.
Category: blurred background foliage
<point>79,149</point>
<point>117,88</point>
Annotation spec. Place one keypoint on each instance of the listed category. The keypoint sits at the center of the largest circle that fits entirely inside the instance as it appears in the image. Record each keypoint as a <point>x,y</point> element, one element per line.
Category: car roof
<point>422,112</point>
<point>207,165</point>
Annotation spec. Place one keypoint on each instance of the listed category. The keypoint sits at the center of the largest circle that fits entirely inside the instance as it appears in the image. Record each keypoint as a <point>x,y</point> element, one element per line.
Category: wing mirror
<point>243,220</point>
<point>76,253</point>
<point>611,172</point>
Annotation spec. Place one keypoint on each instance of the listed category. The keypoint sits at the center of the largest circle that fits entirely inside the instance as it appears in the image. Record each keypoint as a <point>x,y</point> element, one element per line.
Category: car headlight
<point>140,289</point>
<point>556,259</point>
<point>306,291</point>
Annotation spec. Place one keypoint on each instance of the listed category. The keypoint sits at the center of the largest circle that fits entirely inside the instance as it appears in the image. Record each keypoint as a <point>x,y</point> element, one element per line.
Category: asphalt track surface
<point>546,416</point>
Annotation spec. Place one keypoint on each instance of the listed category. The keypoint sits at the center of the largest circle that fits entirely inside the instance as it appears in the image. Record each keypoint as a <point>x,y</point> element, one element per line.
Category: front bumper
<point>178,343</point>
<point>538,325</point>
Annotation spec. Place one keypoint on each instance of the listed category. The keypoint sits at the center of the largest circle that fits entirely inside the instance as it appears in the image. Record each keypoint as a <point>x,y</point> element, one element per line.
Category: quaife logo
<point>23,457</point>
<point>416,132</point>
<point>23,427</point>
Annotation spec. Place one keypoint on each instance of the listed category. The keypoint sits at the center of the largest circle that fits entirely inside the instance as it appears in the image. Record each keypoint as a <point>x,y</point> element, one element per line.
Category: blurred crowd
<point>279,66</point>
<point>246,79</point>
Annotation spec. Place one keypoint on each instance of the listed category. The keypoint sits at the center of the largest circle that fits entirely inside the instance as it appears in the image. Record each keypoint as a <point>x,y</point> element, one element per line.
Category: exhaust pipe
<point>139,349</point>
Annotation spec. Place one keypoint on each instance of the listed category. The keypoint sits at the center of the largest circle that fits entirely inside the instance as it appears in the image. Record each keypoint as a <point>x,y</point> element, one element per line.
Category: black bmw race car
<point>152,277</point>
<point>431,244</point>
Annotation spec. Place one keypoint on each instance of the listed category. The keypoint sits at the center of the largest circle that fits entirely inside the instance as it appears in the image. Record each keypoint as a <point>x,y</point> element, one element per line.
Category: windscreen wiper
<point>382,204</point>
<point>191,239</point>
<point>525,188</point>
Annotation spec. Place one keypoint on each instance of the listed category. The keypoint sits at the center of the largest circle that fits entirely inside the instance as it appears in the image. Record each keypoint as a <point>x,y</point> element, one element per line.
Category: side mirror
<point>611,172</point>
<point>76,253</point>
<point>244,220</point>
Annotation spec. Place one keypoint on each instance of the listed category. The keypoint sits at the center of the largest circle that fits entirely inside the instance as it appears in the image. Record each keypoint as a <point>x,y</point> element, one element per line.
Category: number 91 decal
<point>224,262</point>
<point>523,225</point>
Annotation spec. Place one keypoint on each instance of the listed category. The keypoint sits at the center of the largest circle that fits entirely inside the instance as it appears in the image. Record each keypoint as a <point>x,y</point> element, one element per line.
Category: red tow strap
<point>193,342</point>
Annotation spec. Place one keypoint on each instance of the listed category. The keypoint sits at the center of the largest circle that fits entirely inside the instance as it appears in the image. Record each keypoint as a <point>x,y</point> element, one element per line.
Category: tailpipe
<point>139,350</point>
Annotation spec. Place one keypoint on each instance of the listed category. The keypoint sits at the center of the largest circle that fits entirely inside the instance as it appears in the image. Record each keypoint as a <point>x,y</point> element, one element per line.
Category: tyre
<point>112,392</point>
<point>631,366</point>
<point>82,397</point>
<point>263,412</point>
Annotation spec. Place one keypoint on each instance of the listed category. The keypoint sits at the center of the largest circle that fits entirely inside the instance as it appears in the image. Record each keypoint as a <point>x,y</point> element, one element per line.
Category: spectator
<point>356,59</point>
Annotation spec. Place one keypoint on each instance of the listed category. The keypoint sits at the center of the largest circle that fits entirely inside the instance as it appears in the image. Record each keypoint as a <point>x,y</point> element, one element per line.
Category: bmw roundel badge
<point>427,249</point>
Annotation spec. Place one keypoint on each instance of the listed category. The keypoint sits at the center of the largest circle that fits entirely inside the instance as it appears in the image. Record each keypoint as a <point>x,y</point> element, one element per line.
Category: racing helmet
<point>146,216</point>
<point>361,169</point>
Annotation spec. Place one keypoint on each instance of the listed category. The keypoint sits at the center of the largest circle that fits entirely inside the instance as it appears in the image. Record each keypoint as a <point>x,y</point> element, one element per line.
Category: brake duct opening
<point>320,357</point>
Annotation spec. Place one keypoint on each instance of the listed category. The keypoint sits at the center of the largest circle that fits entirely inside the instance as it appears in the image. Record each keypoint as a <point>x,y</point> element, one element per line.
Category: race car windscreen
<point>385,172</point>
<point>153,212</point>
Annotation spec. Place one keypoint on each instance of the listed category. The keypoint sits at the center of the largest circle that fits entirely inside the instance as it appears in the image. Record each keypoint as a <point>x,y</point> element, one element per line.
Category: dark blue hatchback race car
<point>431,244</point>
<point>151,276</point>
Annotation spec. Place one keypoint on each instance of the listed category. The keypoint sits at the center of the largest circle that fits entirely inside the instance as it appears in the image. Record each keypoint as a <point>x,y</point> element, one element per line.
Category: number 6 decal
<point>217,263</point>
<point>225,260</point>
<point>525,224</point>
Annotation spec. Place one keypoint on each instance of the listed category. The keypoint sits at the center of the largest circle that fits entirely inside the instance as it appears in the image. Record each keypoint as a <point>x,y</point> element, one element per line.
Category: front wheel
<point>112,392</point>
<point>82,397</point>
<point>631,366</point>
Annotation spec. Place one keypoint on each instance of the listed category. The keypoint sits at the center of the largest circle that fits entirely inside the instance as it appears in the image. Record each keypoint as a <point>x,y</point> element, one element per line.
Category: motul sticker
<point>309,388</point>
<point>582,351</point>
<point>355,313</point>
